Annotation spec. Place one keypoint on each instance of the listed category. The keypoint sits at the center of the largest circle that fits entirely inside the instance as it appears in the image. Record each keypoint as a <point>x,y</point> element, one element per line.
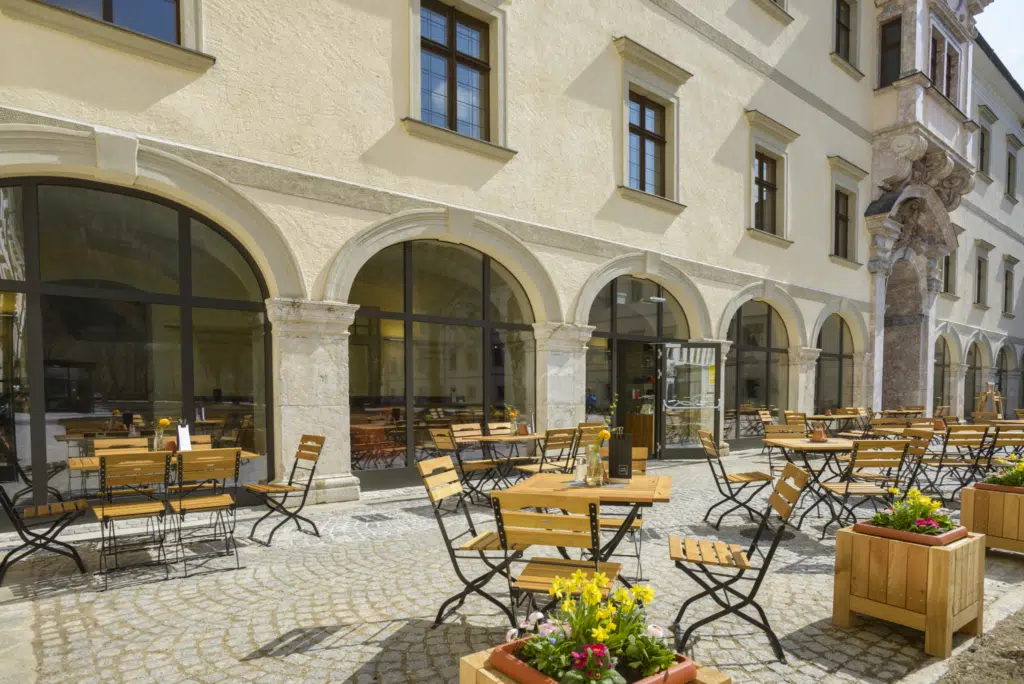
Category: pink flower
<point>920,523</point>
<point>548,628</point>
<point>511,634</point>
<point>600,650</point>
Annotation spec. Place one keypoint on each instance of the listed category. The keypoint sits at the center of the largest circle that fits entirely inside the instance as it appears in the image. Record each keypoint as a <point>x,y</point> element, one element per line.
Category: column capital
<point>805,356</point>
<point>725,344</point>
<point>562,336</point>
<point>304,317</point>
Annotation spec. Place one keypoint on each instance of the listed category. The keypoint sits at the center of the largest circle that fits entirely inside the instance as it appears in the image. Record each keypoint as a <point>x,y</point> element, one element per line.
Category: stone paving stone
<point>357,604</point>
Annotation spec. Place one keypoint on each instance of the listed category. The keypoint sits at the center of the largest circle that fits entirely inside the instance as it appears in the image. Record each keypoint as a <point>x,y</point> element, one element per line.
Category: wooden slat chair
<point>797,418</point>
<point>52,518</point>
<point>984,417</point>
<point>780,432</point>
<point>940,411</point>
<point>146,473</point>
<point>1019,413</point>
<point>441,480</point>
<point>859,426</point>
<point>574,527</point>
<point>304,466</point>
<point>764,418</point>
<point>560,440</point>
<point>884,423</point>
<point>719,567</point>
<point>917,407</point>
<point>732,486</point>
<point>870,457</point>
<point>475,473</point>
<point>586,433</point>
<point>920,422</point>
<point>207,484</point>
<point>958,455</point>
<point>26,475</point>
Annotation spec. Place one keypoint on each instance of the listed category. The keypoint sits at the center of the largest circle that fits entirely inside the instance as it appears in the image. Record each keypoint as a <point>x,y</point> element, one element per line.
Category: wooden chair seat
<point>740,478</point>
<point>549,467</point>
<point>272,488</point>
<point>188,488</point>
<point>538,573</point>
<point>487,541</point>
<point>616,523</point>
<point>476,466</point>
<point>708,552</point>
<point>59,508</point>
<point>855,488</point>
<point>126,511</point>
<point>874,477</point>
<point>202,503</point>
<point>948,463</point>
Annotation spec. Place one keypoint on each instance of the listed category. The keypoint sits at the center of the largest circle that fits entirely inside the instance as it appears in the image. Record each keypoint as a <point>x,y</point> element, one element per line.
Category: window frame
<point>939,64</point>
<point>847,29</point>
<point>981,280</point>
<point>1008,285</point>
<point>841,247</point>
<point>107,17</point>
<point>765,160</point>
<point>1011,173</point>
<point>984,148</point>
<point>842,357</point>
<point>646,104</point>
<point>886,51</point>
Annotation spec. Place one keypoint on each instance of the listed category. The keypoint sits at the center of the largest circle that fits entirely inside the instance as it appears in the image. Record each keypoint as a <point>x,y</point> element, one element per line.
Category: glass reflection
<point>218,269</point>
<point>12,235</point>
<point>378,285</point>
<point>377,393</point>
<point>16,472</point>
<point>636,311</point>
<point>508,300</point>
<point>512,371</point>
<point>447,377</point>
<point>599,397</point>
<point>760,373</point>
<point>447,280</point>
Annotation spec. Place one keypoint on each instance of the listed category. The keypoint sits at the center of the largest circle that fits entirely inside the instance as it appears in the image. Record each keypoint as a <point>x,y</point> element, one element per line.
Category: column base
<point>334,489</point>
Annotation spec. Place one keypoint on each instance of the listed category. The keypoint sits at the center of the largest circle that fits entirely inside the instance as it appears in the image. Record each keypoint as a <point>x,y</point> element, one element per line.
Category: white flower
<point>548,628</point>
<point>567,630</point>
<point>655,632</point>
<point>535,618</point>
<point>511,634</point>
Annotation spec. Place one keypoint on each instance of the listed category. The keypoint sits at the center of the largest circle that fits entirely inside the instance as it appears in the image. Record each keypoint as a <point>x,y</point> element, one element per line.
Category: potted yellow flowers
<point>591,638</point>
<point>916,518</point>
<point>995,507</point>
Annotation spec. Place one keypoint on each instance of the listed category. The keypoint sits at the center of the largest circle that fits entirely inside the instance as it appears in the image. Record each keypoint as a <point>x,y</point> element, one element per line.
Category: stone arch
<point>117,158</point>
<point>948,333</point>
<point>984,344</point>
<point>650,266</point>
<point>853,318</point>
<point>922,219</point>
<point>1011,355</point>
<point>448,225</point>
<point>779,299</point>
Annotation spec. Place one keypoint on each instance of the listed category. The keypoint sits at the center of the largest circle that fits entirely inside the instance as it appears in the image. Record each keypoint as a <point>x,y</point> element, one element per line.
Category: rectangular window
<point>984,139</point>
<point>646,145</point>
<point>981,279</point>
<point>1008,291</point>
<point>454,70</point>
<point>891,52</point>
<point>844,24</point>
<point>1011,174</point>
<point>841,228</point>
<point>155,18</point>
<point>945,66</point>
<point>765,193</point>
<point>948,273</point>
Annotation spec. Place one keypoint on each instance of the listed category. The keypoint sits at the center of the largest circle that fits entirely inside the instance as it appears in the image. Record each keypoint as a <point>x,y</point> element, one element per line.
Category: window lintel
<point>847,168</point>
<point>764,123</point>
<point>648,60</point>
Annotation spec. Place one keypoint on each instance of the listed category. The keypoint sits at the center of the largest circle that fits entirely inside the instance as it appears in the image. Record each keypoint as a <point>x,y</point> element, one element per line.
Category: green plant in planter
<point>914,513</point>
<point>1012,475</point>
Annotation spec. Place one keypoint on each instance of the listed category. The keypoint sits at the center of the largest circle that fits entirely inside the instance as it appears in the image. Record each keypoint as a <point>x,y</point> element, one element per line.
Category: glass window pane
<point>634,161</point>
<point>508,300</point>
<point>827,380</point>
<point>847,337</point>
<point>601,310</point>
<point>828,340</point>
<point>690,395</point>
<point>654,119</point>
<point>447,280</point>
<point>219,269</point>
<point>778,372</point>
<point>471,101</point>
<point>433,25</point>
<point>637,314</point>
<point>12,234</point>
<point>780,340</point>
<point>156,18</point>
<point>470,40</point>
<point>513,376</point>
<point>730,380</point>
<point>93,238</point>
<point>673,319</point>
<point>377,393</point>
<point>599,397</point>
<point>90,8</point>
<point>754,325</point>
<point>634,112</point>
<point>447,371</point>
<point>753,378</point>
<point>434,89</point>
<point>15,435</point>
<point>379,283</point>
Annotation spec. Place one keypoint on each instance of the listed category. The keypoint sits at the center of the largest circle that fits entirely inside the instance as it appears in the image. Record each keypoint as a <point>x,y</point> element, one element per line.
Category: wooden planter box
<point>936,589</point>
<point>476,669</point>
<point>999,515</point>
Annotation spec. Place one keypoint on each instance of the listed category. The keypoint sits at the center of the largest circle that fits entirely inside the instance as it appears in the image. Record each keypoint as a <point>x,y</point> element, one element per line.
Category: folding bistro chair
<point>613,523</point>
<point>797,418</point>
<point>562,441</point>
<point>306,458</point>
<point>53,517</point>
<point>574,527</point>
<point>207,472</point>
<point>586,433</point>
<point>474,473</point>
<point>874,466</point>
<point>961,449</point>
<point>764,418</point>
<point>780,432</point>
<point>695,556</point>
<point>732,486</point>
<point>441,481</point>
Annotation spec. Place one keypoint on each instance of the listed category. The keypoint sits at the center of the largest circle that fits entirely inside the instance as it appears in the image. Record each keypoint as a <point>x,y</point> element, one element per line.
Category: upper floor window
<point>948,274</point>
<point>1008,289</point>
<point>981,281</point>
<point>1013,145</point>
<point>891,52</point>
<point>454,70</point>
<point>841,227</point>
<point>765,193</point>
<point>646,145</point>
<point>155,18</point>
<point>984,148</point>
<point>945,65</point>
<point>844,30</point>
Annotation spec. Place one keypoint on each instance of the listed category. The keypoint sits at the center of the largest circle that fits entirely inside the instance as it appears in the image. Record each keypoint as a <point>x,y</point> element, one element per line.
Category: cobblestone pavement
<point>356,605</point>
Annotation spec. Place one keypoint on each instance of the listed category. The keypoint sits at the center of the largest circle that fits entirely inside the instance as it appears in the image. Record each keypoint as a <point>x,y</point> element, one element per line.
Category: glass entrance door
<point>638,371</point>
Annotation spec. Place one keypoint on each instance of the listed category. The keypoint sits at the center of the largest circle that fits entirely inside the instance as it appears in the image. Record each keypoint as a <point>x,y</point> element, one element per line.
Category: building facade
<point>370,219</point>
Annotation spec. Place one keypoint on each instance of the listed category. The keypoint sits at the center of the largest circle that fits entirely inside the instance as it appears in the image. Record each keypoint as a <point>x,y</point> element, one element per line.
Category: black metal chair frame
<point>222,521</point>
<point>280,508</point>
<point>52,470</point>
<point>731,494</point>
<point>845,510</point>
<point>948,466</point>
<point>33,541</point>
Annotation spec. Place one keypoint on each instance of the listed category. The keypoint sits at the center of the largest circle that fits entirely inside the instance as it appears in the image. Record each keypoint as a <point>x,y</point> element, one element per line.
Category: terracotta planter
<point>955,534</point>
<point>504,659</point>
<point>996,511</point>
<point>999,488</point>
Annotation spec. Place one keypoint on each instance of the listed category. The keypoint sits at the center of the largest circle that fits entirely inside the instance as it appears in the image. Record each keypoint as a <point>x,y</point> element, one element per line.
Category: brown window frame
<point>455,58</point>
<point>762,159</point>
<point>1011,174</point>
<point>645,135</point>
<point>844,29</point>
<point>1008,291</point>
<point>984,136</point>
<point>841,237</point>
<point>981,281</point>
<point>947,274</point>
<point>886,52</point>
<point>108,18</point>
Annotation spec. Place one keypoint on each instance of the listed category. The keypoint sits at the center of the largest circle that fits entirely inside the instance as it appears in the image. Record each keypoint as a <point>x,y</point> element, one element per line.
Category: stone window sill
<point>654,201</point>
<point>843,261</point>
<point>776,240</point>
<point>443,136</point>
<point>775,10</point>
<point>852,71</point>
<point>982,176</point>
<point>107,34</point>
<point>981,307</point>
<point>1007,314</point>
<point>1010,198</point>
<point>950,296</point>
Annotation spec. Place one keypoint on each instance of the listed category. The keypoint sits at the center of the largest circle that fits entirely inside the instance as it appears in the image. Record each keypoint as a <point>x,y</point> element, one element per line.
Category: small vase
<point>595,469</point>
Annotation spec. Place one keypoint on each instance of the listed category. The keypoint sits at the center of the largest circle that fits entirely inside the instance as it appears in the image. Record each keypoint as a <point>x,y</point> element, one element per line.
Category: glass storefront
<point>941,378</point>
<point>756,368</point>
<point>642,374</point>
<point>972,380</point>
<point>443,336</point>
<point>834,377</point>
<point>131,309</point>
<point>1003,381</point>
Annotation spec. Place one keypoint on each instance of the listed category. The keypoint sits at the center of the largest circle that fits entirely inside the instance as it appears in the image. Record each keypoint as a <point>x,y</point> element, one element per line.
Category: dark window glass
<point>952,83</point>
<point>1008,292</point>
<point>891,49</point>
<point>218,269</point>
<point>512,375</point>
<point>601,309</point>
<point>765,191</point>
<point>448,376</point>
<point>983,137</point>
<point>12,234</point>
<point>834,377</point>
<point>377,393</point>
<point>941,375</point>
<point>937,59</point>
<point>841,242</point>
<point>509,303</point>
<point>1011,174</point>
<point>378,285</point>
<point>843,29</point>
<point>454,70</point>
<point>971,380</point>
<point>637,308</point>
<point>673,319</point>
<point>981,275</point>
<point>93,238</point>
<point>155,18</point>
<point>447,280</point>
<point>15,435</point>
<point>947,273</point>
<point>90,8</point>
<point>646,145</point>
<point>757,366</point>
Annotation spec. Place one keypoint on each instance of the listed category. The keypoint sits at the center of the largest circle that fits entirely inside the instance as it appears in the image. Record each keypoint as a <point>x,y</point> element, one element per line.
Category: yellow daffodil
<point>605,612</point>
<point>578,579</point>
<point>591,595</point>
<point>644,594</point>
<point>610,626</point>
<point>599,634</point>
<point>936,505</point>
<point>622,595</point>
<point>568,606</point>
<point>601,580</point>
<point>604,435</point>
<point>894,491</point>
<point>164,422</point>
<point>559,587</point>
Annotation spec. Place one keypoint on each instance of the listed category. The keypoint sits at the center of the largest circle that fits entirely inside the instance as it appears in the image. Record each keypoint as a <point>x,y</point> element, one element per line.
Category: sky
<point>1002,24</point>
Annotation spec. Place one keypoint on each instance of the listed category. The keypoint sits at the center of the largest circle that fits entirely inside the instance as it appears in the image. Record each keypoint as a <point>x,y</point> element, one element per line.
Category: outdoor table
<point>898,431</point>
<point>488,442</point>
<point>803,446</point>
<point>906,413</point>
<point>642,491</point>
<point>87,465</point>
<point>1007,423</point>
<point>827,419</point>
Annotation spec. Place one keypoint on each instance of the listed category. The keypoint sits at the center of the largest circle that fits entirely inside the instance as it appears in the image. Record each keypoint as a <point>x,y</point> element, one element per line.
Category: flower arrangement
<point>595,639</point>
<point>1012,475</point>
<point>914,513</point>
<point>164,422</point>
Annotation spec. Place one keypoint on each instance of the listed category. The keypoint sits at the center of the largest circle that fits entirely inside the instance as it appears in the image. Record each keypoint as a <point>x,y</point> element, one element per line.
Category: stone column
<point>860,371</point>
<point>803,366</point>
<point>1012,399</point>
<point>957,380</point>
<point>875,357</point>
<point>311,383</point>
<point>561,373</point>
<point>723,446</point>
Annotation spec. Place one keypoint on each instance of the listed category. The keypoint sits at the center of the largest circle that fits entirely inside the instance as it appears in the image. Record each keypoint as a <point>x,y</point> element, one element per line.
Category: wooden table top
<point>897,431</point>
<point>500,439</point>
<point>832,417</point>
<point>91,463</point>
<point>902,412</point>
<point>642,489</point>
<point>1007,423</point>
<point>834,444</point>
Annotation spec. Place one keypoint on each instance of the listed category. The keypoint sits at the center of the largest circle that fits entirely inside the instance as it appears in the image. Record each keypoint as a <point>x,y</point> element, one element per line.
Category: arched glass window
<point>972,380</point>
<point>941,389</point>
<point>834,378</point>
<point>1003,378</point>
<point>757,367</point>
<point>443,335</point>
<point>142,310</point>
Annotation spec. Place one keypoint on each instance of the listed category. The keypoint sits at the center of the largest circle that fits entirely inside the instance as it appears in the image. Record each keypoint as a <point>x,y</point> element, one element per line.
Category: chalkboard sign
<point>620,459</point>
